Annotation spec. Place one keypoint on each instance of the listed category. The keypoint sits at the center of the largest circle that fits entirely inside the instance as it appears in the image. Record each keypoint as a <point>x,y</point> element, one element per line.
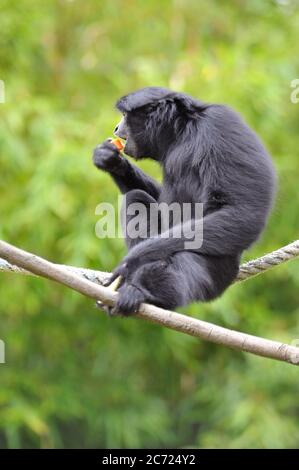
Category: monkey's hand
<point>107,157</point>
<point>129,297</point>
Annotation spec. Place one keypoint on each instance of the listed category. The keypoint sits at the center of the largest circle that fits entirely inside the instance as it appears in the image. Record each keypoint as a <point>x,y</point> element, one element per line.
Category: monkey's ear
<point>188,107</point>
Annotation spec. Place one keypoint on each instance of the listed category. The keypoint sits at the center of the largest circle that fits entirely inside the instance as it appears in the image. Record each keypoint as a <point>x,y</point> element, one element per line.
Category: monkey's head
<point>153,120</point>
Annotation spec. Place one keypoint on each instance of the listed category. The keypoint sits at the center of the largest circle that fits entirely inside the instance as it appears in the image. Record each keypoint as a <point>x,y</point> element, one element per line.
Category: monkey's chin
<point>130,151</point>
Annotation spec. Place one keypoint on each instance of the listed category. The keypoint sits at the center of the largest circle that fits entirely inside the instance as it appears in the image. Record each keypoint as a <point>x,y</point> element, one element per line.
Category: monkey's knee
<point>137,195</point>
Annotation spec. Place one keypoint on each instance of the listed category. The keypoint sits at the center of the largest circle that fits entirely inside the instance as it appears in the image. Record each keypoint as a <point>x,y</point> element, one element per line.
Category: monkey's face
<point>133,129</point>
<point>123,131</point>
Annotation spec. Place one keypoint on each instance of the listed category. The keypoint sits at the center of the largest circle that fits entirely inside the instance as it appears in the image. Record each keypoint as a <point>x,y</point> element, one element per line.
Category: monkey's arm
<point>127,176</point>
<point>130,177</point>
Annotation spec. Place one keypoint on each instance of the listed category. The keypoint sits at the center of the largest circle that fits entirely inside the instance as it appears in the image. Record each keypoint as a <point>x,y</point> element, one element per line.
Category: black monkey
<point>209,155</point>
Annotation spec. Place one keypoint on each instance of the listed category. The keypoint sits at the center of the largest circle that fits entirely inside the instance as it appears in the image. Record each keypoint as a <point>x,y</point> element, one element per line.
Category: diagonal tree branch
<point>173,320</point>
<point>247,270</point>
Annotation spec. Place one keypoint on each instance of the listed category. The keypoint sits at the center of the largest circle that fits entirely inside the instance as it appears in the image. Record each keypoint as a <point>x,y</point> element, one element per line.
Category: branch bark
<point>175,321</point>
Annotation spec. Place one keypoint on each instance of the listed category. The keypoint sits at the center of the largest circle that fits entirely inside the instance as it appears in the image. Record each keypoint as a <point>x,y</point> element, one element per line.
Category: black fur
<point>208,154</point>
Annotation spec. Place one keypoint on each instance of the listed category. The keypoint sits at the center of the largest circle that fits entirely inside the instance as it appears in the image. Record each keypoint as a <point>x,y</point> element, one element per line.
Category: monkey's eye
<point>217,196</point>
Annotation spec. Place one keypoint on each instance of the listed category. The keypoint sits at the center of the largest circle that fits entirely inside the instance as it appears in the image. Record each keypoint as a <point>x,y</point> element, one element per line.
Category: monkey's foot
<point>129,300</point>
<point>106,308</point>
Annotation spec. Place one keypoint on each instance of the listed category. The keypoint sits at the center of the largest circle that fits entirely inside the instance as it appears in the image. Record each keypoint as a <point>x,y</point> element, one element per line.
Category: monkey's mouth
<point>129,148</point>
<point>126,148</point>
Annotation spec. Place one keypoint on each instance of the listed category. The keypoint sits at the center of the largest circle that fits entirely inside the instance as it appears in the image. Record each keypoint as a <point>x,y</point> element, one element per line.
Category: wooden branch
<point>247,270</point>
<point>175,321</point>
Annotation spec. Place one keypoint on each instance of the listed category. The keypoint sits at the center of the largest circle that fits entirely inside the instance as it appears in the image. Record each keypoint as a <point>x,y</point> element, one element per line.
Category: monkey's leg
<point>141,207</point>
<point>184,278</point>
<point>148,225</point>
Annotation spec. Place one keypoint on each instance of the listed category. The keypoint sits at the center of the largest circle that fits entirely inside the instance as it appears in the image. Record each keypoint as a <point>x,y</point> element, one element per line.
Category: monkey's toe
<point>105,308</point>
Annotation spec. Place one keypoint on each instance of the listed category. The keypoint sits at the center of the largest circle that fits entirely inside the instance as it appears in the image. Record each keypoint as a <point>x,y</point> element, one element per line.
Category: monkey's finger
<point>105,308</point>
<point>101,150</point>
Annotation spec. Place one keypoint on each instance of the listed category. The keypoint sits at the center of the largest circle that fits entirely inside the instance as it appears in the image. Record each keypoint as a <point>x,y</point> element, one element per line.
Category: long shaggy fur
<point>208,154</point>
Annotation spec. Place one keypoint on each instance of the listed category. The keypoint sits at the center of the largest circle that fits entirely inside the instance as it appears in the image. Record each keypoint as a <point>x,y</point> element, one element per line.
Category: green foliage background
<point>74,378</point>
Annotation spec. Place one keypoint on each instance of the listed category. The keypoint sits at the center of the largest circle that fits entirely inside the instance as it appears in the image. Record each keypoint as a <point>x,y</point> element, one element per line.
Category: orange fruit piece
<point>118,144</point>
